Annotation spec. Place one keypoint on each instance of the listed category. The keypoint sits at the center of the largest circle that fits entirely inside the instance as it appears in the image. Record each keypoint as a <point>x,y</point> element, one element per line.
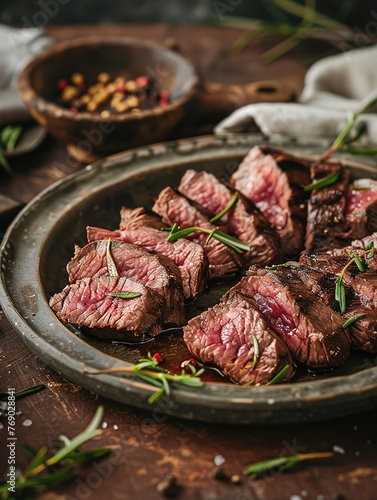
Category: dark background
<point>354,13</point>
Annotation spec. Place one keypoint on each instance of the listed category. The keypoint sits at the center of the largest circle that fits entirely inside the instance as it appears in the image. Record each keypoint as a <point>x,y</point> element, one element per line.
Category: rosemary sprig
<point>343,134</point>
<point>352,320</point>
<point>276,266</point>
<point>280,375</point>
<point>148,371</point>
<point>340,292</point>
<point>326,181</point>
<point>4,163</point>
<point>9,137</point>
<point>111,266</point>
<point>283,462</point>
<point>32,477</point>
<point>231,242</point>
<point>23,392</point>
<point>226,209</point>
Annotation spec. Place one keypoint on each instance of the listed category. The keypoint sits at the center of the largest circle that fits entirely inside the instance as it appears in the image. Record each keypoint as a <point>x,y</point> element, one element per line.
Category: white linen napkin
<point>17,47</point>
<point>334,87</point>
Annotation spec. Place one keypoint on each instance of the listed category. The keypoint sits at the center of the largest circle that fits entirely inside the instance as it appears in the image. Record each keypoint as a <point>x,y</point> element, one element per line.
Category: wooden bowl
<point>88,135</point>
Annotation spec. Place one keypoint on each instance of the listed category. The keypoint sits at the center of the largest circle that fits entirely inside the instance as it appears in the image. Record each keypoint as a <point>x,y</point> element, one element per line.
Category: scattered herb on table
<point>23,392</point>
<point>282,462</point>
<point>340,292</point>
<point>43,471</point>
<point>147,370</point>
<point>8,140</point>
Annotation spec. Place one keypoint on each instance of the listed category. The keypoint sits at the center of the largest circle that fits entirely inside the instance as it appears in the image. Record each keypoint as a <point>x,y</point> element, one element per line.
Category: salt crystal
<point>1,426</point>
<point>219,460</point>
<point>27,422</point>
<point>338,449</point>
<point>115,427</point>
<point>304,493</point>
<point>104,425</point>
<point>295,497</point>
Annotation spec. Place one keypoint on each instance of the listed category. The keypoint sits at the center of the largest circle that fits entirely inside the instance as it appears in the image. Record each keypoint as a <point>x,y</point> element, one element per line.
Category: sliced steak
<point>244,219</point>
<point>223,336</point>
<point>88,302</point>
<point>311,329</point>
<point>364,284</point>
<point>363,332</point>
<point>327,225</point>
<point>187,255</point>
<point>149,269</point>
<point>359,244</point>
<point>272,180</point>
<point>361,209</point>
<point>176,208</point>
<point>139,217</point>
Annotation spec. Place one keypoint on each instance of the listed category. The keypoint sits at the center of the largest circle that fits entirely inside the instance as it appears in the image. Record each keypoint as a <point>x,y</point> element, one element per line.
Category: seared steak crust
<point>322,284</point>
<point>327,225</point>
<point>187,255</point>
<point>272,180</point>
<point>312,330</point>
<point>88,302</point>
<point>223,336</point>
<point>151,270</point>
<point>176,208</point>
<point>244,219</point>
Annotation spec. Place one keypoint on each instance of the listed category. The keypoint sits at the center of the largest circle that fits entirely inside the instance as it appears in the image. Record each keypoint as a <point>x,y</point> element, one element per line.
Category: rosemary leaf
<point>352,320</point>
<point>85,456</point>
<point>112,268</point>
<point>326,181</point>
<point>183,233</point>
<point>210,236</point>
<point>226,209</point>
<point>13,138</point>
<point>4,163</point>
<point>358,263</point>
<point>23,392</point>
<point>251,382</point>
<point>280,375</point>
<point>38,459</point>
<point>276,266</point>
<point>126,295</point>
<point>38,482</point>
<point>359,188</point>
<point>256,352</point>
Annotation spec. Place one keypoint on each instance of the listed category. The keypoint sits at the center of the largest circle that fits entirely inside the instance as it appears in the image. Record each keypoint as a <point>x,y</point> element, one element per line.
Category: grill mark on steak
<point>244,219</point>
<point>152,270</point>
<point>312,330</point>
<point>327,225</point>
<point>176,208</point>
<point>272,180</point>
<point>222,336</point>
<point>363,332</point>
<point>88,302</point>
<point>187,255</point>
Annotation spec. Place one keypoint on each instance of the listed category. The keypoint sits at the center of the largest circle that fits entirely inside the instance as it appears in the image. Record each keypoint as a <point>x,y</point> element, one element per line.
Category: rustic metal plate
<point>40,242</point>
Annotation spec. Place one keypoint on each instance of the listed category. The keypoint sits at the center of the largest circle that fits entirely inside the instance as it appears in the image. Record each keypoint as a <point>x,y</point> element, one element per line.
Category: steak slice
<point>88,302</point>
<point>176,208</point>
<point>361,209</point>
<point>223,336</point>
<point>327,225</point>
<point>149,269</point>
<point>363,332</point>
<point>244,219</point>
<point>139,217</point>
<point>362,283</point>
<point>187,255</point>
<point>311,329</point>
<point>272,180</point>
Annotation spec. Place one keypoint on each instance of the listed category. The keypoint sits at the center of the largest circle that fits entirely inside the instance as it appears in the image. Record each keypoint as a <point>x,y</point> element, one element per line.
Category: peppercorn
<point>77,79</point>
<point>69,93</point>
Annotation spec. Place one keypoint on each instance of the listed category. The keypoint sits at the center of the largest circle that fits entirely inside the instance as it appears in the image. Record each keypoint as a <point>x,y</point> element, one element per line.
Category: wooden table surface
<point>149,445</point>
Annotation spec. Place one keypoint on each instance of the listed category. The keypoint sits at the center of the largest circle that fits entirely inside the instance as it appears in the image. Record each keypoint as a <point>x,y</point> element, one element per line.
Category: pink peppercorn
<point>141,81</point>
<point>163,102</point>
<point>121,88</point>
<point>74,110</point>
<point>62,84</point>
<point>157,357</point>
<point>164,95</point>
